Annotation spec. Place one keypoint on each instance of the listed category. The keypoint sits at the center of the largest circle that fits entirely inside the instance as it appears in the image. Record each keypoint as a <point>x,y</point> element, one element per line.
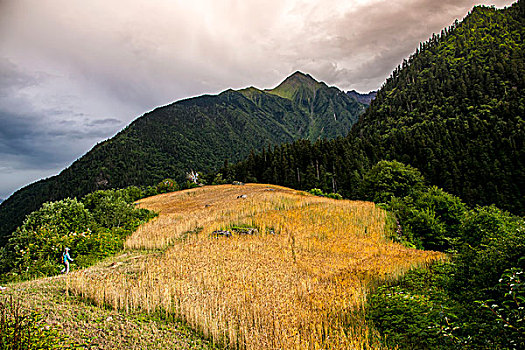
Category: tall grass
<point>300,283</point>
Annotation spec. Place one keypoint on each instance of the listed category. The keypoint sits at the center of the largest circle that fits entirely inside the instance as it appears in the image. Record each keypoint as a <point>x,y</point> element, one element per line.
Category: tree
<point>389,179</point>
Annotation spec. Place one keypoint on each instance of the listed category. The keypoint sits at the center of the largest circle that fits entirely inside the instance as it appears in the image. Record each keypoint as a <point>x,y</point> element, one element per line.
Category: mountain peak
<point>299,76</point>
<point>290,85</point>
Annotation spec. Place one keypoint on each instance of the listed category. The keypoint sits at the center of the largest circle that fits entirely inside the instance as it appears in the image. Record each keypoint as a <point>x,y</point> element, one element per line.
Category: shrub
<point>389,179</point>
<point>449,209</point>
<point>62,217</point>
<point>429,219</point>
<point>492,241</point>
<point>320,193</point>
<point>416,312</point>
<point>167,185</point>
<point>509,312</point>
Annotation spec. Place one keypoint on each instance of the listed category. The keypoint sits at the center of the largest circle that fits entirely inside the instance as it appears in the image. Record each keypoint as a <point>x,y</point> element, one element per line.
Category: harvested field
<point>298,281</point>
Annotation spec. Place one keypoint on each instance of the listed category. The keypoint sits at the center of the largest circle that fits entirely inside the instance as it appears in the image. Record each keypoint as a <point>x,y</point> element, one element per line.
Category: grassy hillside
<point>195,134</point>
<point>298,280</point>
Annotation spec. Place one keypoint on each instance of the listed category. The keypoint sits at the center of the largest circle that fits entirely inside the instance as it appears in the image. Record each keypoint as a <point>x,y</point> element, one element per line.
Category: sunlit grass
<point>300,283</point>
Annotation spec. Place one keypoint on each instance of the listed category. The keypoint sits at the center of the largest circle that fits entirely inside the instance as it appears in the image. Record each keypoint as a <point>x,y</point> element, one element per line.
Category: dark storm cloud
<point>40,134</point>
<point>73,73</point>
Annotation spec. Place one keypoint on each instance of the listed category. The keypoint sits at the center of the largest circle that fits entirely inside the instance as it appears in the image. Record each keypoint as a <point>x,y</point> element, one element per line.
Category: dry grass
<point>302,287</point>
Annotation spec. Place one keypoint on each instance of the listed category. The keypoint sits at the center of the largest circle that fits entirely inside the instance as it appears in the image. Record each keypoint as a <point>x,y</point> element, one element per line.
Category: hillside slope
<point>194,134</point>
<point>455,110</point>
<point>293,272</point>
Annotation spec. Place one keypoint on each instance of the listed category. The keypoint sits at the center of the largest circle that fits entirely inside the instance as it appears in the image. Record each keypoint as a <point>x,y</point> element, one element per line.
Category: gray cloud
<point>73,73</point>
<point>40,133</point>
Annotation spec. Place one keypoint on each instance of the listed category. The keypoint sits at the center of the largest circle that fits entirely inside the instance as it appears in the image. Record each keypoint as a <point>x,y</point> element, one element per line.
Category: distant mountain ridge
<point>195,134</point>
<point>363,98</point>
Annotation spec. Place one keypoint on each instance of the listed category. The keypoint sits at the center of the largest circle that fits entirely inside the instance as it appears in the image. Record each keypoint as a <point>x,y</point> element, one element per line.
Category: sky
<point>73,73</point>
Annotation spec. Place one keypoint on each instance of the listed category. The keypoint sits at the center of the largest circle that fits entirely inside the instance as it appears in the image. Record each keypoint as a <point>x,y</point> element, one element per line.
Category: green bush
<point>448,208</point>
<point>167,185</point>
<point>429,219</point>
<point>92,232</point>
<point>219,180</point>
<point>492,241</point>
<point>416,312</point>
<point>334,195</point>
<point>62,217</point>
<point>320,193</point>
<point>389,179</point>
<point>509,312</point>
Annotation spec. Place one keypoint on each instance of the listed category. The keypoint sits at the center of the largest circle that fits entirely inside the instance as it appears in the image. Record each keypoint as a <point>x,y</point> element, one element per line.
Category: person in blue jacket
<point>66,259</point>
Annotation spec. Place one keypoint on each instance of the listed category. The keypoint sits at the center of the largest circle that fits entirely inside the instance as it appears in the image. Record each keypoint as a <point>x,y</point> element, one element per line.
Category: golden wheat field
<point>299,282</point>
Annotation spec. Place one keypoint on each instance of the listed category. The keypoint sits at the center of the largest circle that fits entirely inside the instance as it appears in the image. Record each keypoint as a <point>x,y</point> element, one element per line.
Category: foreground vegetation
<point>474,300</point>
<point>93,228</point>
<point>299,281</point>
<point>246,264</point>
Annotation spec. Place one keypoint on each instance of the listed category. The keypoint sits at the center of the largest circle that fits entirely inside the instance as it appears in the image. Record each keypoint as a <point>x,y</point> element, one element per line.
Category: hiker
<point>66,259</point>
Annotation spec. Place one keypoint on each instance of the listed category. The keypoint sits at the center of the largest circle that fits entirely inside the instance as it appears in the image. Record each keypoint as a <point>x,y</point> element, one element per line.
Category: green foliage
<point>167,185</point>
<point>491,242</point>
<point>320,193</point>
<point>115,208</point>
<point>61,217</point>
<point>509,312</point>
<point>92,231</point>
<point>389,179</point>
<point>218,180</point>
<point>420,226</point>
<point>480,292</point>
<point>430,219</point>
<point>23,330</point>
<point>416,312</point>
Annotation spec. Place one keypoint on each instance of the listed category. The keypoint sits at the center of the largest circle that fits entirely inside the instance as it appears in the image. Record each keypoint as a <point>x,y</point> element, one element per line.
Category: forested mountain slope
<point>455,109</point>
<point>195,134</point>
